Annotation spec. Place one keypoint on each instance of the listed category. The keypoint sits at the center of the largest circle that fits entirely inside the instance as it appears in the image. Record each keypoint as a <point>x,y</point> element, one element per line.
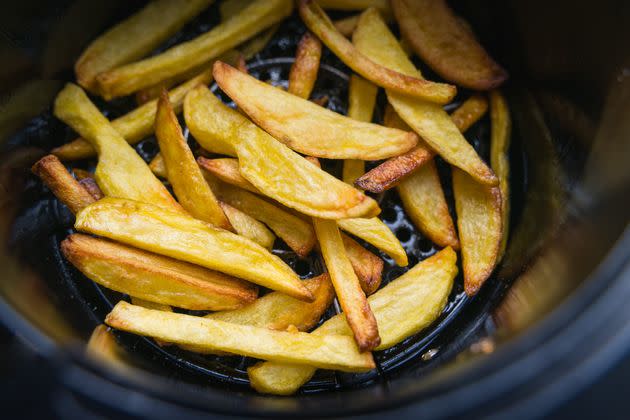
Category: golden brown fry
<point>319,23</point>
<point>404,307</point>
<point>241,65</point>
<point>430,121</point>
<point>273,168</point>
<point>446,44</point>
<point>189,185</point>
<point>226,169</point>
<point>303,72</point>
<point>278,311</point>
<point>256,17</point>
<point>391,172</point>
<point>367,266</point>
<point>480,227</point>
<point>135,125</point>
<point>248,227</point>
<point>61,183</point>
<point>307,127</point>
<point>135,37</point>
<point>423,198</point>
<point>158,167</point>
<point>120,171</point>
<point>92,187</point>
<point>327,352</point>
<point>154,277</point>
<point>351,298</point>
<point>179,236</point>
<point>347,25</point>
<point>375,232</point>
<point>294,231</point>
<point>501,127</point>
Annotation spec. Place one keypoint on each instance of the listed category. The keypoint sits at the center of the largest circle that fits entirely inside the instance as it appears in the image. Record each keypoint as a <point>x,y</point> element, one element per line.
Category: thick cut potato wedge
<point>62,184</point>
<point>375,232</point>
<point>154,277</point>
<point>135,125</point>
<point>294,231</point>
<point>431,122</point>
<point>120,171</point>
<point>480,226</point>
<point>303,72</point>
<point>306,127</point>
<point>227,170</point>
<point>385,76</point>
<point>361,101</point>
<point>256,17</point>
<point>351,298</point>
<point>423,199</point>
<point>189,185</point>
<point>248,227</point>
<point>135,37</point>
<point>277,171</point>
<point>501,127</point>
<point>327,352</point>
<point>446,44</point>
<point>404,307</point>
<point>367,266</point>
<point>391,172</point>
<point>181,237</point>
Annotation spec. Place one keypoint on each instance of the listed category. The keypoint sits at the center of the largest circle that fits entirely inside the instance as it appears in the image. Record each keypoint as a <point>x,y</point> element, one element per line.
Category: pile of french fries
<point>208,246</point>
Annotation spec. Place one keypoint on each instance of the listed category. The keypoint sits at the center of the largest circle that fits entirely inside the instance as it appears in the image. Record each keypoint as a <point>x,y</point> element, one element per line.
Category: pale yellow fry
<point>248,227</point>
<point>404,307</point>
<point>307,127</point>
<point>135,37</point>
<point>351,298</point>
<point>480,226</point>
<point>320,24</point>
<point>256,17</point>
<point>327,352</point>
<point>184,175</point>
<point>120,171</point>
<point>430,121</point>
<point>275,170</point>
<point>135,125</point>
<point>500,132</point>
<point>181,237</point>
<point>423,199</point>
<point>375,232</point>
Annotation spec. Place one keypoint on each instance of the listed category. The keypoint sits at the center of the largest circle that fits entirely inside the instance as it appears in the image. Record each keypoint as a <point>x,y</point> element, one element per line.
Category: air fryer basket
<point>569,203</point>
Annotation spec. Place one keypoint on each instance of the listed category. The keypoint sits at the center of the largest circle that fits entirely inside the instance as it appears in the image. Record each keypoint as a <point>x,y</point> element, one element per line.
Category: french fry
<point>248,227</point>
<point>189,185</point>
<point>155,306</point>
<point>120,171</point>
<point>318,22</point>
<point>346,26</point>
<point>303,72</point>
<point>155,278</point>
<point>102,345</point>
<point>179,236</point>
<point>350,5</point>
<point>375,232</point>
<point>351,298</point>
<point>274,169</point>
<point>326,352</point>
<point>391,172</point>
<point>277,311</point>
<point>226,169</point>
<point>61,183</point>
<point>367,266</point>
<point>135,125</point>
<point>90,185</point>
<point>403,308</point>
<point>294,231</point>
<point>446,44</point>
<point>501,127</point>
<point>307,127</point>
<point>256,17</point>
<point>158,167</point>
<point>361,101</point>
<point>230,8</point>
<point>135,37</point>
<point>431,122</point>
<point>480,227</point>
